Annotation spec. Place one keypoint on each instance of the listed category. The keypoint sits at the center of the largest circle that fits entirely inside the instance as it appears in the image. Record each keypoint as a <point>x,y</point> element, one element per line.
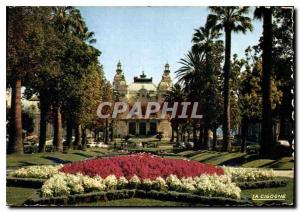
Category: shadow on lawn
<point>56,160</point>
<point>82,154</point>
<point>24,163</point>
<point>238,161</point>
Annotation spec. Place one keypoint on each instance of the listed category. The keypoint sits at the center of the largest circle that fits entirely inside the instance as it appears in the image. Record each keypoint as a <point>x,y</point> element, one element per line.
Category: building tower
<point>119,83</point>
<point>166,82</point>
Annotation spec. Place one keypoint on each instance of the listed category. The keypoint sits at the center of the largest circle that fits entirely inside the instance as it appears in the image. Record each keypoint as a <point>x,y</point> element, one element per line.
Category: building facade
<point>142,90</point>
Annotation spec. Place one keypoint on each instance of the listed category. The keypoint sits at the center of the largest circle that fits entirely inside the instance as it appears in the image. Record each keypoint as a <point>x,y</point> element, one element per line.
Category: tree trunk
<point>267,141</point>
<point>106,132</point>
<point>172,136</point>
<point>244,134</point>
<point>205,138</point>
<point>15,135</point>
<point>77,135</point>
<point>69,135</point>
<point>83,139</point>
<point>111,131</point>
<point>227,67</point>
<point>177,134</point>
<point>57,139</point>
<point>214,144</point>
<point>200,143</point>
<point>43,123</point>
<point>194,134</point>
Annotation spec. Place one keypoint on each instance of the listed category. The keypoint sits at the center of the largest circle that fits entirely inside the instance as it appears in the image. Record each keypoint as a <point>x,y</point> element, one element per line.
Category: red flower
<point>143,165</point>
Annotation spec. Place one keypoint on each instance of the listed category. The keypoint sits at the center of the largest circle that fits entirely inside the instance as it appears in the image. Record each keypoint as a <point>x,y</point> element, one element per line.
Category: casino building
<point>141,90</point>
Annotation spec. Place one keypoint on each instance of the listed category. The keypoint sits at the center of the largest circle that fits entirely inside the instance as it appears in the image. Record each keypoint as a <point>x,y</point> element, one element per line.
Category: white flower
<point>174,183</point>
<point>122,182</point>
<point>159,184</point>
<point>134,181</point>
<point>147,184</point>
<point>248,174</point>
<point>55,186</point>
<point>110,181</point>
<point>43,172</point>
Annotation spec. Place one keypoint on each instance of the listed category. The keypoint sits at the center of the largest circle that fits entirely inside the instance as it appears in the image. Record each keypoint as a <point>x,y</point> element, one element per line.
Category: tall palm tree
<point>267,140</point>
<point>176,94</point>
<point>204,37</point>
<point>229,19</point>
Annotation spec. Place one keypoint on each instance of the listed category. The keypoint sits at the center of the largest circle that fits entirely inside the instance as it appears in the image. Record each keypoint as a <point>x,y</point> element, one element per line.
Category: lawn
<point>238,159</point>
<point>48,158</point>
<point>137,202</point>
<point>287,190</point>
<point>204,156</point>
<point>16,195</point>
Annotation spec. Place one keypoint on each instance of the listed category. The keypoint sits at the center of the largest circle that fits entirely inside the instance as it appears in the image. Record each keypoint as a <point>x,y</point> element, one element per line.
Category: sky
<point>146,38</point>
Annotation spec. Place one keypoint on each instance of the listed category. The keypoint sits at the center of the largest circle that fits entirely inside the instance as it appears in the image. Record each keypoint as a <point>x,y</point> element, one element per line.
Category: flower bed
<point>249,174</point>
<point>204,185</point>
<point>42,172</point>
<point>145,166</point>
<point>144,172</point>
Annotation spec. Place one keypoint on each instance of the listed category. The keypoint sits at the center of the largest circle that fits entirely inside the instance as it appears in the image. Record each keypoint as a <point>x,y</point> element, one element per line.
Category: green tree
<point>284,66</point>
<point>23,52</point>
<point>229,19</point>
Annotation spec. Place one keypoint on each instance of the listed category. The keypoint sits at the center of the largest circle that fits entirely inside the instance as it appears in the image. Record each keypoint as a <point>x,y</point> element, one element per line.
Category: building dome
<point>136,86</point>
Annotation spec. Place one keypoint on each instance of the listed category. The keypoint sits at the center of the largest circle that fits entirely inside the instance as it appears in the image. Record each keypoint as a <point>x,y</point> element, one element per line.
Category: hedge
<point>262,184</point>
<point>25,182</point>
<point>127,193</point>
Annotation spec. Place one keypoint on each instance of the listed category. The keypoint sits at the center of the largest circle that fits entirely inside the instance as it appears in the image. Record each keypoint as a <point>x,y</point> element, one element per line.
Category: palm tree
<point>228,19</point>
<point>176,94</point>
<point>267,140</point>
<point>204,38</point>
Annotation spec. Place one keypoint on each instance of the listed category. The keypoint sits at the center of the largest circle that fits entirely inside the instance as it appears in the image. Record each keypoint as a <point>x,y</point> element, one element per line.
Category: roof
<point>136,86</point>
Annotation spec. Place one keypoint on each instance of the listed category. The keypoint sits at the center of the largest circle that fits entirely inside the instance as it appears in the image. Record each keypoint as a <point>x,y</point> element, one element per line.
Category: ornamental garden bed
<point>141,174</point>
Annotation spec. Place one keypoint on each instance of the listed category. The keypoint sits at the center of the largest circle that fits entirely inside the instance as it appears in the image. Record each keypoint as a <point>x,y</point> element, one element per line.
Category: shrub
<point>124,194</point>
<point>25,182</point>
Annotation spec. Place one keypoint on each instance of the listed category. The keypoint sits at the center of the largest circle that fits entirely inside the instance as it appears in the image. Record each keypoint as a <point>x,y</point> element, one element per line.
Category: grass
<point>211,157</point>
<point>288,190</point>
<point>16,195</point>
<point>49,158</point>
<point>136,202</point>
<point>238,159</point>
